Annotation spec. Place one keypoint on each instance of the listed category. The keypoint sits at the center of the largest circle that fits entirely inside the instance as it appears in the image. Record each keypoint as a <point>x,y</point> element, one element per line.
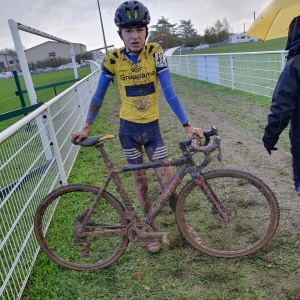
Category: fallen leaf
<point>137,275</point>
<point>147,288</point>
<point>198,288</point>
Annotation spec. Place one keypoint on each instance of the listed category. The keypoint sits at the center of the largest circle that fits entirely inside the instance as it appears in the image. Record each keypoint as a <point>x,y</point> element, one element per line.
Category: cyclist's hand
<point>190,130</point>
<point>269,149</point>
<point>79,136</point>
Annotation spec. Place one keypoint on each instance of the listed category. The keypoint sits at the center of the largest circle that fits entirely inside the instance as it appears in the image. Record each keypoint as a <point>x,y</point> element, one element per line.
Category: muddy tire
<point>62,212</point>
<point>253,210</point>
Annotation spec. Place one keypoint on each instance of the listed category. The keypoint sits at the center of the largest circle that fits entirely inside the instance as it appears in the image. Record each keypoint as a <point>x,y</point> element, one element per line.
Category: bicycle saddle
<point>91,141</point>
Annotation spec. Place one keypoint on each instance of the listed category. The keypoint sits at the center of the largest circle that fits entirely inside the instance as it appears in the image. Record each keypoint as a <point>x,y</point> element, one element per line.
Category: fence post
<point>232,71</point>
<point>282,59</point>
<point>187,65</point>
<point>56,150</point>
<point>23,104</point>
<point>80,104</point>
<point>205,67</point>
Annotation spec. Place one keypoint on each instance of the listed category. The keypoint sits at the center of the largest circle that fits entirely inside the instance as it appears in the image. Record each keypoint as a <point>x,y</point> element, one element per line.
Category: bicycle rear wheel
<point>60,215</point>
<point>251,205</point>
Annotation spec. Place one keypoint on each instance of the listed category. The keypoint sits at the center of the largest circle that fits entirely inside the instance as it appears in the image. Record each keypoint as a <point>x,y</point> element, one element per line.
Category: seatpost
<point>130,214</point>
<point>107,161</point>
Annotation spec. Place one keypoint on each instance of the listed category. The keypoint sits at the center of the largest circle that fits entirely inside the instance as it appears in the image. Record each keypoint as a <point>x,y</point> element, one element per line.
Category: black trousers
<point>295,143</point>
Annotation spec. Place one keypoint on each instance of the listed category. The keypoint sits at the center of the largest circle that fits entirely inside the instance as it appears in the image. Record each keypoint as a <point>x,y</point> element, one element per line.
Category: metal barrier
<point>253,72</point>
<point>36,156</point>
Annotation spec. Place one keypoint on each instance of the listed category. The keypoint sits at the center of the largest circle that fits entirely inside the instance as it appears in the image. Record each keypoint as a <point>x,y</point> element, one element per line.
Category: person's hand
<point>190,130</point>
<point>269,149</point>
<point>79,136</point>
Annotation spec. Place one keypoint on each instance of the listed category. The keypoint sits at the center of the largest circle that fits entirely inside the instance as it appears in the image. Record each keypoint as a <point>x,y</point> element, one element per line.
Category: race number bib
<point>160,60</point>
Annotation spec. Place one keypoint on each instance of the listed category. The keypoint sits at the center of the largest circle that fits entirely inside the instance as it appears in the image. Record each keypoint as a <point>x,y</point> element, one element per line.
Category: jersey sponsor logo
<point>136,69</point>
<point>140,89</point>
<point>141,104</point>
<point>160,60</point>
<point>137,76</point>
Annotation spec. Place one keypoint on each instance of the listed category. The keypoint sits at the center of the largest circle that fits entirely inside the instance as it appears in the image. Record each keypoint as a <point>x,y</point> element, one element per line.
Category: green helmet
<point>132,13</point>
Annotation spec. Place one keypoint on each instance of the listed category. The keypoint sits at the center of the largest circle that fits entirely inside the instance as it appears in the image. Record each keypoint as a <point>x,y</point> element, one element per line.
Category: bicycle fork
<point>217,207</point>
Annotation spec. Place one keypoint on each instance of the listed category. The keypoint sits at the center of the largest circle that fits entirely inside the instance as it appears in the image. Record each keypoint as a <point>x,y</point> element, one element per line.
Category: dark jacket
<point>285,105</point>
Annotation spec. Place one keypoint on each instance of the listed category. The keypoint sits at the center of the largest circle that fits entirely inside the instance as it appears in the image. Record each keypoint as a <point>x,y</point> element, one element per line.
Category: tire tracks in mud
<point>241,150</point>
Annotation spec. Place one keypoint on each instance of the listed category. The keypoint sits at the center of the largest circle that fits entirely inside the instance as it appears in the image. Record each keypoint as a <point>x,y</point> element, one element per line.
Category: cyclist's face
<point>134,38</point>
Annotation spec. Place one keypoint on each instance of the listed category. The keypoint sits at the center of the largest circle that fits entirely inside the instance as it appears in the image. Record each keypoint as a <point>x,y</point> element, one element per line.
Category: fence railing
<point>253,72</point>
<point>36,156</point>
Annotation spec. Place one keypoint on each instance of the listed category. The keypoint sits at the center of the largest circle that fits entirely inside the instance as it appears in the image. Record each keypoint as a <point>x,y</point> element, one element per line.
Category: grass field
<point>272,45</point>
<point>9,101</point>
<point>178,272</point>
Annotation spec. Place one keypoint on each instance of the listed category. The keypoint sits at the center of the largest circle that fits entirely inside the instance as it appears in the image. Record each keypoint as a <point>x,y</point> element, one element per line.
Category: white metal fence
<point>254,72</point>
<point>36,156</point>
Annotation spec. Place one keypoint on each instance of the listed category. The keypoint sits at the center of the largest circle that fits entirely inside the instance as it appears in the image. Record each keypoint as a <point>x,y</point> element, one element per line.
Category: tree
<point>217,33</point>
<point>8,51</point>
<point>210,35</point>
<point>166,30</point>
<point>83,56</point>
<point>186,30</point>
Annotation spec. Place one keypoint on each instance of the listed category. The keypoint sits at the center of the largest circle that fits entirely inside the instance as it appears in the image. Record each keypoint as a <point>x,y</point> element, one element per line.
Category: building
<point>51,49</point>
<point>8,62</point>
<point>241,38</point>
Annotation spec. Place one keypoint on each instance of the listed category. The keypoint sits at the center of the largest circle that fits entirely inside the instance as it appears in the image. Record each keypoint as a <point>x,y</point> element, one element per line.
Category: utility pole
<point>106,52</point>
<point>254,15</point>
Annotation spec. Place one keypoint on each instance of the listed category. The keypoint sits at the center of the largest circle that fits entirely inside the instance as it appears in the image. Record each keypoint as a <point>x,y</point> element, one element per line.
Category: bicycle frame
<point>183,162</point>
<point>186,165</point>
<point>101,227</point>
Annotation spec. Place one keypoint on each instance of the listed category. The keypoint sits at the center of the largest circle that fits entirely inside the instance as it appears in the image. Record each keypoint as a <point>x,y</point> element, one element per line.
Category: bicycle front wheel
<point>252,209</point>
<point>59,217</point>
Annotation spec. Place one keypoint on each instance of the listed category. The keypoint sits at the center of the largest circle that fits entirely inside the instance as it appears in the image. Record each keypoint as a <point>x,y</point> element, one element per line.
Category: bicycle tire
<point>54,224</point>
<point>253,208</point>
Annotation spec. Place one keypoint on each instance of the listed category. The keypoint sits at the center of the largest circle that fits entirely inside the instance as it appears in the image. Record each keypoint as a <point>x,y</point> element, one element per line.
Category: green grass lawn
<point>178,272</point>
<point>272,45</point>
<point>9,101</point>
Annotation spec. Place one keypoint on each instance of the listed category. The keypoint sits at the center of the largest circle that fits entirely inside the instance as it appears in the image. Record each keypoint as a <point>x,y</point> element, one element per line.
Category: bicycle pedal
<point>165,239</point>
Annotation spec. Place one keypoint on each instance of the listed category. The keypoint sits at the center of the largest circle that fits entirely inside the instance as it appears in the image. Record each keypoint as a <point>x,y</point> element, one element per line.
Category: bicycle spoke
<point>252,211</point>
<point>63,242</point>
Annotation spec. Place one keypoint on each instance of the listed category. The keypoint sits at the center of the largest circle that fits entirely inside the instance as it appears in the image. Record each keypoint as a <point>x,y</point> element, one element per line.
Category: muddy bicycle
<point>222,213</point>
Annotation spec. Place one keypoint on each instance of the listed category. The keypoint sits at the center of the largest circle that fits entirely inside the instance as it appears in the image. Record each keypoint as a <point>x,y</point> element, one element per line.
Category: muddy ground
<point>241,125</point>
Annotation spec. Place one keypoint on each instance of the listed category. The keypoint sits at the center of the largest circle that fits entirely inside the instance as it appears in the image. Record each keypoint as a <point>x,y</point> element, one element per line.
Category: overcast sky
<point>78,21</point>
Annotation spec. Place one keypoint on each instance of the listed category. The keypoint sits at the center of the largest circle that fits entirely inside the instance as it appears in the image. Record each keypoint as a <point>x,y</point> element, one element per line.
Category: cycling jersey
<point>138,83</point>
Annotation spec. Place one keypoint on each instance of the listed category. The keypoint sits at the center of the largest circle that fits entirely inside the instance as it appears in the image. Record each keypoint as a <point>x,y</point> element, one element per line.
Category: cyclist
<point>285,105</point>
<point>138,69</point>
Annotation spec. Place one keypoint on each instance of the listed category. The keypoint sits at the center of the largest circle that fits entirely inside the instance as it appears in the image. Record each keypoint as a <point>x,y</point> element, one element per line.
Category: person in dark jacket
<point>285,105</point>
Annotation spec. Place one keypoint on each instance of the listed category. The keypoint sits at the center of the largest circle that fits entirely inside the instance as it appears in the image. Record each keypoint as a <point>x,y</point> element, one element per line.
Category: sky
<point>78,21</point>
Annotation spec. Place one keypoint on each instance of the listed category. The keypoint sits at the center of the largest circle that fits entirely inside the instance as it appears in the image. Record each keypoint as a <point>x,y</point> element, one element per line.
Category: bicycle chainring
<point>133,236</point>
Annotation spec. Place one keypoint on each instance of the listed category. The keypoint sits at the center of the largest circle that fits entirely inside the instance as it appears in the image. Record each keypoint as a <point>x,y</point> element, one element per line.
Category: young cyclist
<point>138,69</point>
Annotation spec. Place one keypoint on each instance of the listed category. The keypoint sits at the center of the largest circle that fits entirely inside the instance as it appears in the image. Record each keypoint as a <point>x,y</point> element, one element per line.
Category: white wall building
<point>52,49</point>
<point>241,38</point>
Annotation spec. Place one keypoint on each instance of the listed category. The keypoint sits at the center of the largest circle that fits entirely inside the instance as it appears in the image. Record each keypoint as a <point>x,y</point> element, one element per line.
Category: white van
<point>6,75</point>
<point>201,46</point>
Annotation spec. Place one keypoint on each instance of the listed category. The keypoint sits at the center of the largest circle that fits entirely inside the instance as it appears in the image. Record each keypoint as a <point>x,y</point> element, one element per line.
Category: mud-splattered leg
<point>164,175</point>
<point>140,182</point>
<point>141,189</point>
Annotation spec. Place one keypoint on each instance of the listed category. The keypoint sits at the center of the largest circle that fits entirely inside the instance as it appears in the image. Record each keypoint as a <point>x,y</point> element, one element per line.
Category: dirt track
<point>241,149</point>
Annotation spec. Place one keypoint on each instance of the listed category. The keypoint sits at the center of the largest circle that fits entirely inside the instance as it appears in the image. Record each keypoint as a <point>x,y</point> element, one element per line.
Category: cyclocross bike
<point>222,213</point>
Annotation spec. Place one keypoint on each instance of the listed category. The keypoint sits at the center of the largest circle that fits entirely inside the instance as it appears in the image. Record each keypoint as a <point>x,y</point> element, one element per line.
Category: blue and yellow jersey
<point>138,83</point>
